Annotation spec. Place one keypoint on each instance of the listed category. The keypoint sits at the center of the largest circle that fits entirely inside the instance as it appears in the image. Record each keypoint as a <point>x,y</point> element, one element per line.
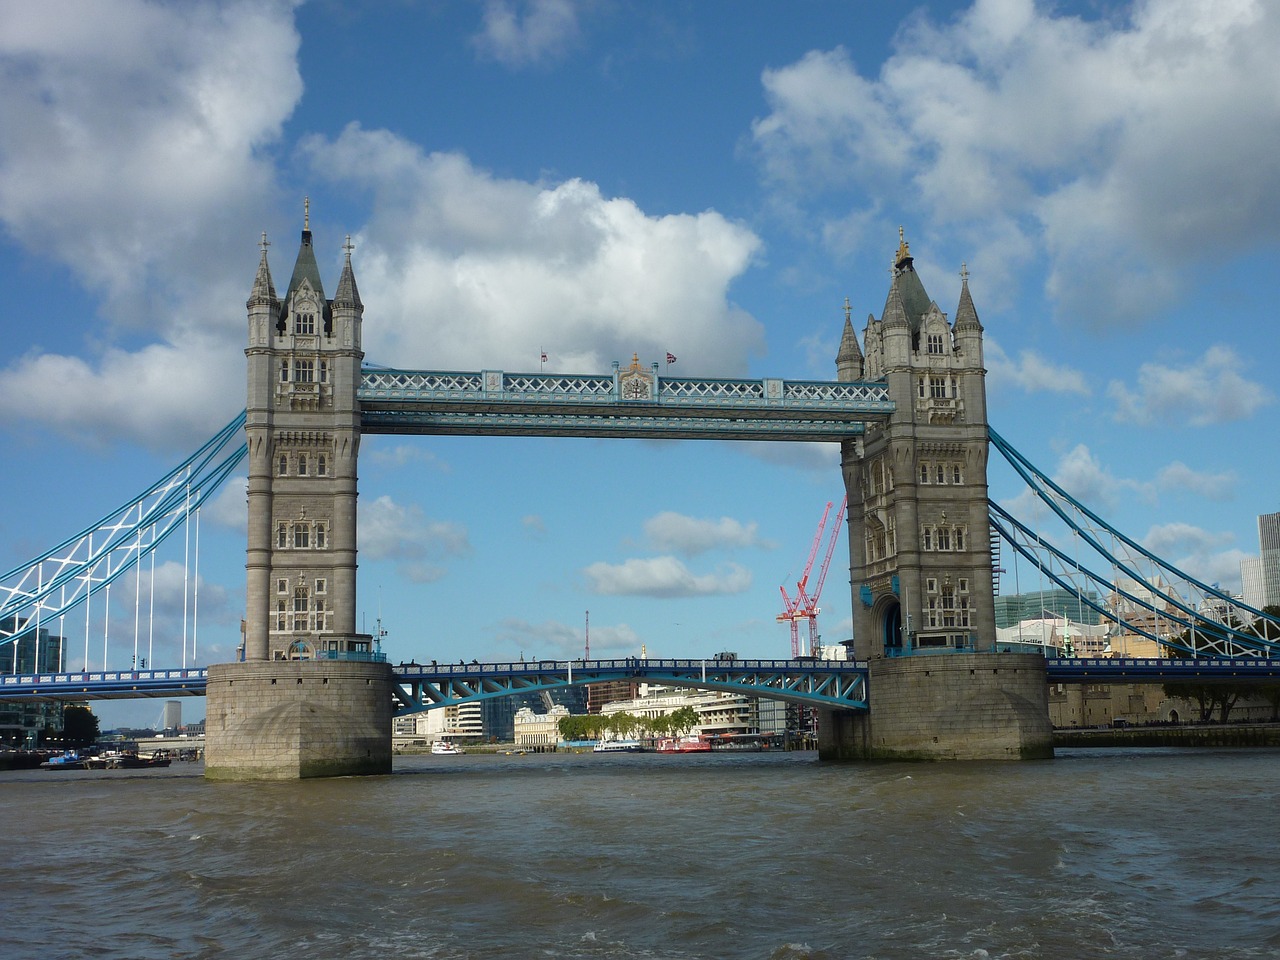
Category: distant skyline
<point>593,180</point>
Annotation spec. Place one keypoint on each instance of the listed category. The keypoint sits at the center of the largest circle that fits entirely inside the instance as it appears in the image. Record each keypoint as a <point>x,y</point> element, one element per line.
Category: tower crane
<point>807,606</point>
<point>802,606</point>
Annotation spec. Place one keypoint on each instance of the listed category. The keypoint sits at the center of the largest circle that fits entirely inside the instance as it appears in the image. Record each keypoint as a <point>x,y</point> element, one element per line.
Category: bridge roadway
<point>840,684</point>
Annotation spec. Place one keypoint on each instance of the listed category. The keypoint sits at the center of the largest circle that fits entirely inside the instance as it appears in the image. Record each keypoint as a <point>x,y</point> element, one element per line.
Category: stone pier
<point>293,719</point>
<point>947,706</point>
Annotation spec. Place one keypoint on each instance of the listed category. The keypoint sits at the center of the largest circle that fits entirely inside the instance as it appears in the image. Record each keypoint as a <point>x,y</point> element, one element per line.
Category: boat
<point>618,746</point>
<point>446,748</point>
<point>127,760</point>
<point>69,760</point>
<point>689,744</point>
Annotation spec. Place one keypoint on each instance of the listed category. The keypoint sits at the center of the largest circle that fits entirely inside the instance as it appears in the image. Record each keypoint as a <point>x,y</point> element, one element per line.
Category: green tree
<point>79,726</point>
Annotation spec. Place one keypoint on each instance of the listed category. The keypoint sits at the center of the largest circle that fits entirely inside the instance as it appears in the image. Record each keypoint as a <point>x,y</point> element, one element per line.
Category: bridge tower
<point>919,552</point>
<point>310,696</point>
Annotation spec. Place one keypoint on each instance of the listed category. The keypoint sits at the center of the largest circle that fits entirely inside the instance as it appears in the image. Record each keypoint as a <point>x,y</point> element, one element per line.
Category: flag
<point>671,358</point>
<point>544,356</point>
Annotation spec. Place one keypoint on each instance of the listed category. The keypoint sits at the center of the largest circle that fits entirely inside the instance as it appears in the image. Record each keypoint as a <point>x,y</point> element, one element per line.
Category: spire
<point>348,294</point>
<point>913,299</point>
<point>850,354</point>
<point>895,313</point>
<point>263,287</point>
<point>966,315</point>
<point>305,267</point>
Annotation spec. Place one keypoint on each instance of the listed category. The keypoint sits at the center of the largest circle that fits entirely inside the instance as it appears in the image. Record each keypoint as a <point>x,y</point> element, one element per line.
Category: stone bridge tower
<point>310,696</point>
<point>919,544</point>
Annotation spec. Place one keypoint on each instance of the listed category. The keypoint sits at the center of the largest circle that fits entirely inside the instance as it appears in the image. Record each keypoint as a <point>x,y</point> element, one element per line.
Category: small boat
<point>69,760</point>
<point>132,761</point>
<point>684,745</point>
<point>618,746</point>
<point>446,748</point>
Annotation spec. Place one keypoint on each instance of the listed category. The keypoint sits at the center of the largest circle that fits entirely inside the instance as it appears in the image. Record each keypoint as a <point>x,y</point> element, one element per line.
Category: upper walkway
<point>631,402</point>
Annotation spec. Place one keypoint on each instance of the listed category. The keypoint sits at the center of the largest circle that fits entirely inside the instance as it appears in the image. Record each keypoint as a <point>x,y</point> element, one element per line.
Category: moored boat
<point>69,760</point>
<point>618,746</point>
<point>446,748</point>
<point>689,744</point>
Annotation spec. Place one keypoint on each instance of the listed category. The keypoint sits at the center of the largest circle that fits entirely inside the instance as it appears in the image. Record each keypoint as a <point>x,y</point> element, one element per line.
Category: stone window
<point>322,465</point>
<point>282,585</point>
<point>321,531</point>
<point>301,536</point>
<point>282,469</point>
<point>924,472</point>
<point>935,344</point>
<point>281,615</point>
<point>322,585</point>
<point>284,371</point>
<point>926,541</point>
<point>304,371</point>
<point>944,538</point>
<point>956,475</point>
<point>302,464</point>
<point>301,601</point>
<point>304,324</point>
<point>324,371</point>
<point>282,536</point>
<point>938,388</point>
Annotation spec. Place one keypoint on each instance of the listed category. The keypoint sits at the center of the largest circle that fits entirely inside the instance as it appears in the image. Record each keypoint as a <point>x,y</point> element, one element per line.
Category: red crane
<point>803,606</point>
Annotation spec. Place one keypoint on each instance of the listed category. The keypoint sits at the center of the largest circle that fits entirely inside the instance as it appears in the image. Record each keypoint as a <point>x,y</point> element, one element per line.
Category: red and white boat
<point>689,744</point>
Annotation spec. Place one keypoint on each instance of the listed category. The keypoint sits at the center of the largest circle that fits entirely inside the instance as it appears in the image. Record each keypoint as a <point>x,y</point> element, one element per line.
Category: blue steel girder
<point>836,684</point>
<point>494,403</point>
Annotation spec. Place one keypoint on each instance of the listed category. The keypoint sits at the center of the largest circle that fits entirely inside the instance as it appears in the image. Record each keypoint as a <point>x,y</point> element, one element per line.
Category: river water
<point>1140,853</point>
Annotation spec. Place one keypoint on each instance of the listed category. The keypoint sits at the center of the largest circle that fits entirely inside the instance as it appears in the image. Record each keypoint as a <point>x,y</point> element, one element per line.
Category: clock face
<point>635,389</point>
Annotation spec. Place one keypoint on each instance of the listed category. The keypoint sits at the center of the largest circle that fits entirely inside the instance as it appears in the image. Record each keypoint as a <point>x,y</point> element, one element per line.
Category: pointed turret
<point>849,357</point>
<point>966,315</point>
<point>348,294</point>
<point>967,327</point>
<point>906,285</point>
<point>264,289</point>
<point>305,268</point>
<point>346,310</point>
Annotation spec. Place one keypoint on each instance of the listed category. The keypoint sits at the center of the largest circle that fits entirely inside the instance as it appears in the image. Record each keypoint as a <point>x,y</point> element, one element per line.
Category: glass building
<point>26,648</point>
<point>1014,609</point>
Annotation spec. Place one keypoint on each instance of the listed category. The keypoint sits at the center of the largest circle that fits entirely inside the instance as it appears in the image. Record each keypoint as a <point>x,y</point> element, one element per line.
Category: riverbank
<point>1197,735</point>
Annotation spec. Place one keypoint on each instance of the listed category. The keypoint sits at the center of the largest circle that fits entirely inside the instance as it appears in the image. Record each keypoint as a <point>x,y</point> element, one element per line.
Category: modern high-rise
<point>1260,575</point>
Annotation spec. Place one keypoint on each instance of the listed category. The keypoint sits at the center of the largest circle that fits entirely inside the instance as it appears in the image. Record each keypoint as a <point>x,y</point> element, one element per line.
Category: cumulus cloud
<point>1097,142</point>
<point>1208,391</point>
<point>1200,552</point>
<point>520,34</point>
<point>664,577</point>
<point>403,534</point>
<point>691,536</point>
<point>1177,476</point>
<point>1031,372</point>
<point>132,141</point>
<point>463,268</point>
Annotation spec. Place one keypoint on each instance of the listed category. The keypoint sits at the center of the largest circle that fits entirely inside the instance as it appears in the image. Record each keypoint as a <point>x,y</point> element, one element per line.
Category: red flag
<point>671,358</point>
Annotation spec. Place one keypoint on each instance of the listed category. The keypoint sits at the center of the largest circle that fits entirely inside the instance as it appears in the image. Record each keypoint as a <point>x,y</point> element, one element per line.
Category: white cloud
<point>545,31</point>
<point>1200,552</point>
<point>229,506</point>
<point>403,534</point>
<point>1098,142</point>
<point>132,141</point>
<point>691,536</point>
<point>1211,486</point>
<point>664,577</point>
<point>1031,372</point>
<point>461,268</point>
<point>1208,391</point>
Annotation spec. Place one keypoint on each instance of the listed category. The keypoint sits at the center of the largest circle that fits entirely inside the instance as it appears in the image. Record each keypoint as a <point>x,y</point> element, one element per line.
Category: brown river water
<point>1099,853</point>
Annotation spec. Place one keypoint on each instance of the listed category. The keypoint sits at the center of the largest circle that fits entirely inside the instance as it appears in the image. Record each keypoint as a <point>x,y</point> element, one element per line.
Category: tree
<point>79,726</point>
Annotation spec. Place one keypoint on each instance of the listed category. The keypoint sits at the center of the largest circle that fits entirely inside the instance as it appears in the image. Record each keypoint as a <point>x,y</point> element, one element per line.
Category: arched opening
<point>891,619</point>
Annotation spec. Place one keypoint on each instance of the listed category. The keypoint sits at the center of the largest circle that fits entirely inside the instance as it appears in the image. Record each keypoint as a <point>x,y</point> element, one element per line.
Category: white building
<point>538,729</point>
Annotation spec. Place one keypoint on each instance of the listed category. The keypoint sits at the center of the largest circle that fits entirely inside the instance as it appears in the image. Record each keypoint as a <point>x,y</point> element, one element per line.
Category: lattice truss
<point>1131,588</point>
<point>63,578</point>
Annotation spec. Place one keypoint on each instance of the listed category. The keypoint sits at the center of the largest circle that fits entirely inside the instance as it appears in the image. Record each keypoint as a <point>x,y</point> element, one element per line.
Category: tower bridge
<point>311,695</point>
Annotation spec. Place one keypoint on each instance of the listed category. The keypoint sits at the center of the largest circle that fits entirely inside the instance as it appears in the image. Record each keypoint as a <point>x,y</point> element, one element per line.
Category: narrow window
<point>321,585</point>
<point>282,585</point>
<point>927,539</point>
<point>320,536</point>
<point>944,538</point>
<point>302,464</point>
<point>281,616</point>
<point>324,371</point>
<point>322,465</point>
<point>955,473</point>
<point>284,466</point>
<point>301,536</point>
<point>284,371</point>
<point>282,536</point>
<point>924,473</point>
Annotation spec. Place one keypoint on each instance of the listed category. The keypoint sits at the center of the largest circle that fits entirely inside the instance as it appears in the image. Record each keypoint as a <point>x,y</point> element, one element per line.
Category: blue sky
<point>597,179</point>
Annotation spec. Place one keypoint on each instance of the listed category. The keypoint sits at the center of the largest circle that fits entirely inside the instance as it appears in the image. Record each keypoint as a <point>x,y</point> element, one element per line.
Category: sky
<point>595,179</point>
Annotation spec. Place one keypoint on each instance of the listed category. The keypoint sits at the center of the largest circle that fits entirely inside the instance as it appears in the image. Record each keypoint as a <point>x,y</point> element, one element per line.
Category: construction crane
<point>804,606</point>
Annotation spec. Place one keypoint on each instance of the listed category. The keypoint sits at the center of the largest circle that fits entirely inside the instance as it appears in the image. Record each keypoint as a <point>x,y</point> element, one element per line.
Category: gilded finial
<point>904,248</point>
<point>306,213</point>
